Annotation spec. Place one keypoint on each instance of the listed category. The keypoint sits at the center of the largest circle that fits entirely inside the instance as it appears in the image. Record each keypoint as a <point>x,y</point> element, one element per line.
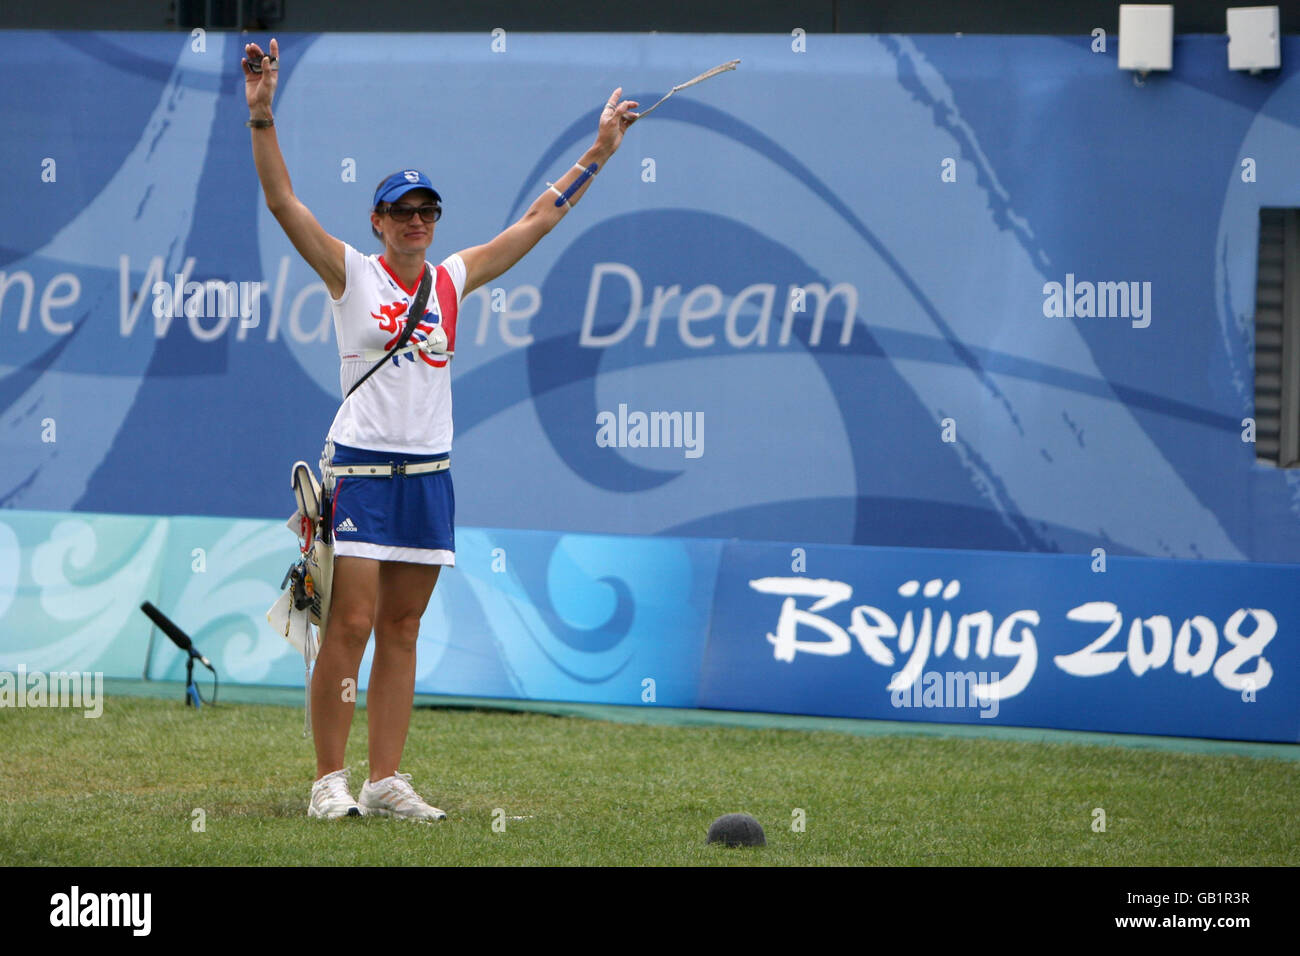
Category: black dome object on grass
<point>736,829</point>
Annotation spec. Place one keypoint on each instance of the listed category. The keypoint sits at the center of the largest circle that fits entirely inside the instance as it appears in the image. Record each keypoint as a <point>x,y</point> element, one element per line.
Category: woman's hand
<point>615,118</point>
<point>259,88</point>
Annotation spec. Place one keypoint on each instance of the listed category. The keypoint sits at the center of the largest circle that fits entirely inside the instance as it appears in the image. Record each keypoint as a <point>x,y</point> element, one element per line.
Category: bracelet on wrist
<point>260,123</point>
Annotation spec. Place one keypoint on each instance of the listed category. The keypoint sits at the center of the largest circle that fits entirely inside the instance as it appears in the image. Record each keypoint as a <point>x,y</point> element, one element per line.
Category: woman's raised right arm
<point>323,252</point>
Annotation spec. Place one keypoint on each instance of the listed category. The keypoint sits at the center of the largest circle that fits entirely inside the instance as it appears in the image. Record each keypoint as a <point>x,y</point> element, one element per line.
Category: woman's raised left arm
<point>484,263</point>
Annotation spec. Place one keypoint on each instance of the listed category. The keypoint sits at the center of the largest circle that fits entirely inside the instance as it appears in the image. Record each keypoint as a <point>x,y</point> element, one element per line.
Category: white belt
<point>389,469</point>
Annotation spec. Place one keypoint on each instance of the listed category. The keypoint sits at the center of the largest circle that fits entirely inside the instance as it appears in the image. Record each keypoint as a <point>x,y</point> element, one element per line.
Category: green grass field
<point>122,790</point>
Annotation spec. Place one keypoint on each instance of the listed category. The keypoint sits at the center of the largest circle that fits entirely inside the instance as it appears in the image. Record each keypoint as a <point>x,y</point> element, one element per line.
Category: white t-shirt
<point>406,405</point>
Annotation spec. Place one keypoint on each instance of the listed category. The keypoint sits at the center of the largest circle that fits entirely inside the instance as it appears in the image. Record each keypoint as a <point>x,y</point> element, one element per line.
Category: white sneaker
<point>395,797</point>
<point>331,799</point>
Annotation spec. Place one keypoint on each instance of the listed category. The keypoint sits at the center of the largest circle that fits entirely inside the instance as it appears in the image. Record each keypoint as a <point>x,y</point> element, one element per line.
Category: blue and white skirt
<point>402,518</point>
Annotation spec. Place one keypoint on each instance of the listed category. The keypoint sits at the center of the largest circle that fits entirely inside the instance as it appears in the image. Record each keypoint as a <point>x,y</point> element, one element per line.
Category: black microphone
<point>179,637</point>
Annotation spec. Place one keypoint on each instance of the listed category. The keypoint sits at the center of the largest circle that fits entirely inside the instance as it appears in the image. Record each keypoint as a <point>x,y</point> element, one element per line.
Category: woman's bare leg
<point>404,591</point>
<point>352,613</point>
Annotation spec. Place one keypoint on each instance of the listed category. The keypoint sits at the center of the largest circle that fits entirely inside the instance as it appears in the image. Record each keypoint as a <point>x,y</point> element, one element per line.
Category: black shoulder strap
<point>413,316</point>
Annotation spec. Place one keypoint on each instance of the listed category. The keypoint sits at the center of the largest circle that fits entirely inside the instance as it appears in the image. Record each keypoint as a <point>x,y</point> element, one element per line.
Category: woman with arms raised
<point>393,507</point>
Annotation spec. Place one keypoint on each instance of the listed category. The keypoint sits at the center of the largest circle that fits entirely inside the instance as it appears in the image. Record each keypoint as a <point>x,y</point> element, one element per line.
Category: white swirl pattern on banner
<point>233,583</point>
<point>104,606</point>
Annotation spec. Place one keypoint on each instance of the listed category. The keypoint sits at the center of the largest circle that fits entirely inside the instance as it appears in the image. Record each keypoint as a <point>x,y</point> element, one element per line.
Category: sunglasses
<point>402,212</point>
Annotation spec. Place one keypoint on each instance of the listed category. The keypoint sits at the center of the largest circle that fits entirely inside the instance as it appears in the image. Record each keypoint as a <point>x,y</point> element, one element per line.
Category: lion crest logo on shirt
<point>388,317</point>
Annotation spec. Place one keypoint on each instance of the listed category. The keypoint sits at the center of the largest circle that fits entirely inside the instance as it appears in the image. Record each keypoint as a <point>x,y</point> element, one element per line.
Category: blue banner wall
<point>831,272</point>
<point>1134,645</point>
